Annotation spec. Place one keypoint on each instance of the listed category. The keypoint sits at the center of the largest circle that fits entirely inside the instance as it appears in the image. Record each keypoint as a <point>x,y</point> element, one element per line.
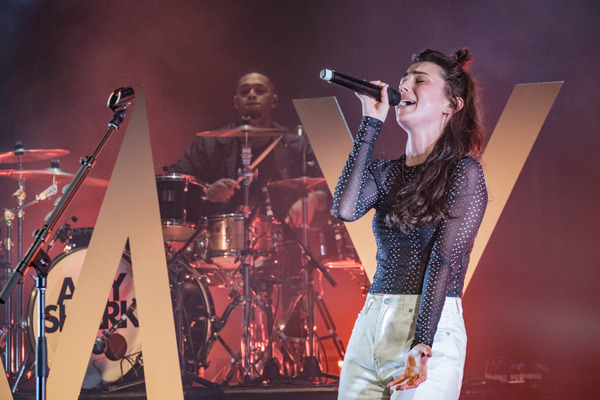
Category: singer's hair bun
<point>463,58</point>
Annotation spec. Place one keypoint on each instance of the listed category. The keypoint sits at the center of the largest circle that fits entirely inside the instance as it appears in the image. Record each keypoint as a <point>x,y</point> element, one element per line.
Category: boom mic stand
<point>118,101</point>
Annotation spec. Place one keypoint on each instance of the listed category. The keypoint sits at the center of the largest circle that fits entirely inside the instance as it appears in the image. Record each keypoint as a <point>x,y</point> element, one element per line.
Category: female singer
<point>409,340</point>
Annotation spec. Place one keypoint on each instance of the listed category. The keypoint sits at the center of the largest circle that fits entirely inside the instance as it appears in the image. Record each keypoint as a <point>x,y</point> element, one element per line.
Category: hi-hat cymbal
<point>57,174</point>
<point>241,130</point>
<point>301,183</point>
<point>25,155</point>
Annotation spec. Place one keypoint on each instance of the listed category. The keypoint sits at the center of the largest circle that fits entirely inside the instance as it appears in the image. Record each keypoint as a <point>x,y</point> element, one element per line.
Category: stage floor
<point>298,391</point>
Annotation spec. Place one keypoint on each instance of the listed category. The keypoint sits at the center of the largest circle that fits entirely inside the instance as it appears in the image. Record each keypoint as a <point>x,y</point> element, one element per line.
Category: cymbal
<point>241,130</point>
<point>25,155</point>
<point>48,174</point>
<point>303,182</point>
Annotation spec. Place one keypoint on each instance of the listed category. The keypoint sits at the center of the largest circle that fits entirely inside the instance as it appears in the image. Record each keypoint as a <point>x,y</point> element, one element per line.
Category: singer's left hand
<point>415,371</point>
<point>373,108</point>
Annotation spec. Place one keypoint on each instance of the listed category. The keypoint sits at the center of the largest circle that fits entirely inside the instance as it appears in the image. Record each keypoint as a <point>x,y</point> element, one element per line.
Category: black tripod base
<point>189,377</point>
<point>270,373</point>
<point>312,371</point>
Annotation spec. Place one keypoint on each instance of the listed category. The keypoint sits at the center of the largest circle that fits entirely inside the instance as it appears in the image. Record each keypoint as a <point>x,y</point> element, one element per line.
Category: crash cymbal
<point>301,183</point>
<point>25,155</point>
<point>57,174</point>
<point>241,130</point>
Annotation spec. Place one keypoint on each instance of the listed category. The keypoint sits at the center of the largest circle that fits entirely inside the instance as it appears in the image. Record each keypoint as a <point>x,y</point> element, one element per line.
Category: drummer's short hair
<point>269,79</point>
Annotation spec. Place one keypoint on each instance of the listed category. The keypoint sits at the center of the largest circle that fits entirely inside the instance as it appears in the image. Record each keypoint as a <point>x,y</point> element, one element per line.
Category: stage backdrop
<point>533,298</point>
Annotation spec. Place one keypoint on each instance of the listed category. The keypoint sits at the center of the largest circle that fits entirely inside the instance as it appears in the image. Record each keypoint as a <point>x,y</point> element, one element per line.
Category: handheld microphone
<point>359,86</point>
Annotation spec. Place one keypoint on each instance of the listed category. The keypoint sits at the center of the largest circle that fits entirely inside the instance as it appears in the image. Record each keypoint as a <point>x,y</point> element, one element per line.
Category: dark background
<point>535,295</point>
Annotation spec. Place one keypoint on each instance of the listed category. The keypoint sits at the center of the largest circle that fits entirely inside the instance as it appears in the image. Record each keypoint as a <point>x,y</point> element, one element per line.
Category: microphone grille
<point>326,74</point>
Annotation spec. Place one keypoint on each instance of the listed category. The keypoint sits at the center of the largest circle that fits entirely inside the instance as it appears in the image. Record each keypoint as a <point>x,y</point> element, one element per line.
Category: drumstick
<point>261,157</point>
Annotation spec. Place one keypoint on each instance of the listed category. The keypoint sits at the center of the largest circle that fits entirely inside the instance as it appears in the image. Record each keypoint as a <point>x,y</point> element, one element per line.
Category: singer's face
<point>254,96</point>
<point>423,88</point>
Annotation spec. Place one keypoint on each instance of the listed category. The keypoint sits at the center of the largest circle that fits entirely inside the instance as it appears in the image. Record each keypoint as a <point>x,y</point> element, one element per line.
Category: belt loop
<point>458,303</point>
<point>369,303</point>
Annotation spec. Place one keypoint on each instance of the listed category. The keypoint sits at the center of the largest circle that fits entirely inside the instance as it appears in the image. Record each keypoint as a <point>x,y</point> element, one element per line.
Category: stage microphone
<point>359,86</point>
<point>99,345</point>
<point>114,345</point>
<point>268,208</point>
<point>120,98</point>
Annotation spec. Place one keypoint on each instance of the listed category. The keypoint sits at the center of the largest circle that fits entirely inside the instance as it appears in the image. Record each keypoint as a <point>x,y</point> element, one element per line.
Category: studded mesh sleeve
<point>453,242</point>
<point>356,190</point>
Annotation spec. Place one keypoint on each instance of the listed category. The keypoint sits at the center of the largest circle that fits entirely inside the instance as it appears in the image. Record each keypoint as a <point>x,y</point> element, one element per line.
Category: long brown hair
<point>422,200</point>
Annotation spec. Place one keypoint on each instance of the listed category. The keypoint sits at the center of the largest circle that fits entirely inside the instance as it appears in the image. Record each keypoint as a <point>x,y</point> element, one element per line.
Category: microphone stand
<point>37,258</point>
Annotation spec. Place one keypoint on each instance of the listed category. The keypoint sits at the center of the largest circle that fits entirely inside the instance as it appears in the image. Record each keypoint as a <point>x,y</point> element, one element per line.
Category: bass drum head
<point>61,282</point>
<point>193,306</point>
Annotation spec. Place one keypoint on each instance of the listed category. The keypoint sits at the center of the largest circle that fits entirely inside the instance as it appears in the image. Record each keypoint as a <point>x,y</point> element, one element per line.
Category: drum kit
<point>239,252</point>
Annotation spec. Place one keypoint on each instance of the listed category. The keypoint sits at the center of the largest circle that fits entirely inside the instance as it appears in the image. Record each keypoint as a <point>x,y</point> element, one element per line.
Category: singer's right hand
<point>222,190</point>
<point>373,108</point>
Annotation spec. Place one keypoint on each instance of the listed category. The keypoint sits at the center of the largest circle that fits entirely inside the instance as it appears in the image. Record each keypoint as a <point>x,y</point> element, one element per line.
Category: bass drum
<point>60,286</point>
<point>115,362</point>
<point>193,310</point>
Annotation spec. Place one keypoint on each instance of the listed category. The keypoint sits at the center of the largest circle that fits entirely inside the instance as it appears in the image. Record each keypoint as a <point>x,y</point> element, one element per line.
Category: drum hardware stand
<point>247,258</point>
<point>270,370</point>
<point>186,245</point>
<point>14,361</point>
<point>330,325</point>
<point>310,370</point>
<point>217,323</point>
<point>36,257</point>
<point>8,329</point>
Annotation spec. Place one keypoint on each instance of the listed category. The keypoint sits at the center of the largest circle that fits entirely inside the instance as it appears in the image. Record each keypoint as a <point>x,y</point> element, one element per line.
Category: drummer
<point>217,162</point>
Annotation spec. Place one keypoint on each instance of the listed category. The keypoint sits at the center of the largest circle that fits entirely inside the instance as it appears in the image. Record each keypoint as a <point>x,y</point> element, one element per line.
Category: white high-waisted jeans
<point>380,342</point>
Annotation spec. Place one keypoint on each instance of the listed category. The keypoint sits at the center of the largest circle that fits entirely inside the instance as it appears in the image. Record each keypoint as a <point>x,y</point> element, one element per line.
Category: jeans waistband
<point>410,302</point>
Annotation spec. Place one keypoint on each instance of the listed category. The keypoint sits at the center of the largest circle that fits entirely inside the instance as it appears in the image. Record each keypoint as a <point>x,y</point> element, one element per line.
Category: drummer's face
<point>254,96</point>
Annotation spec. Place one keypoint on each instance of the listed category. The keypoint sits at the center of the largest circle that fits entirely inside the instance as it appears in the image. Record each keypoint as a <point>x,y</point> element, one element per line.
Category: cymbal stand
<point>19,324</point>
<point>15,322</point>
<point>311,370</point>
<point>14,316</point>
<point>246,260</point>
<point>9,327</point>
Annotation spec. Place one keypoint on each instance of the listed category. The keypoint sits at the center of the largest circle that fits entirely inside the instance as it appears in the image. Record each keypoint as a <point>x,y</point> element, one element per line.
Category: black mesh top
<point>429,260</point>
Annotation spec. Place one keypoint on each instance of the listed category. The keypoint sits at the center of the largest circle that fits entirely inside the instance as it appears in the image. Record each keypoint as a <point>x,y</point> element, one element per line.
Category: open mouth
<point>406,102</point>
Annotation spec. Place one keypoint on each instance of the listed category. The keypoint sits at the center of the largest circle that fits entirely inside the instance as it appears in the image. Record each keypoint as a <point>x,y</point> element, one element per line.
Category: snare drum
<point>61,283</point>
<point>181,202</point>
<point>225,238</point>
